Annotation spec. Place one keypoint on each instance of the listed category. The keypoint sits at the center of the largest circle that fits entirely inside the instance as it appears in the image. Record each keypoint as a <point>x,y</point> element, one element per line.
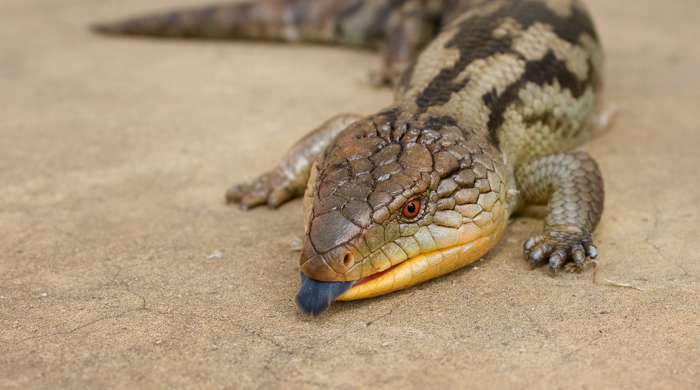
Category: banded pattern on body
<point>503,83</point>
<point>482,125</point>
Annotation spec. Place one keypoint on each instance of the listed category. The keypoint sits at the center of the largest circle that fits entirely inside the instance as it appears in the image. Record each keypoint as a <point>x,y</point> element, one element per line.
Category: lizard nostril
<point>348,260</point>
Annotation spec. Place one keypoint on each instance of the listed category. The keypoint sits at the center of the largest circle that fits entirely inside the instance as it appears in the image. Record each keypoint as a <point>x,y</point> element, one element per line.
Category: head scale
<point>390,188</point>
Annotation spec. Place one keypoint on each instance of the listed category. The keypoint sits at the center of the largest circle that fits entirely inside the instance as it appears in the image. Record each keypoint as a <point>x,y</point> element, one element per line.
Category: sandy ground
<point>114,157</point>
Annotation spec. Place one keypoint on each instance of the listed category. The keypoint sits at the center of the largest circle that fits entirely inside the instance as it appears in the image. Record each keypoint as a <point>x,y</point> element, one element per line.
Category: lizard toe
<point>252,199</point>
<point>579,256</point>
<point>235,193</point>
<point>278,196</point>
<point>271,188</point>
<point>592,251</point>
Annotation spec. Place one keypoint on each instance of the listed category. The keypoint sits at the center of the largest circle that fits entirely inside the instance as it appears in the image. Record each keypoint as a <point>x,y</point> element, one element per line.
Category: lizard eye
<point>411,209</point>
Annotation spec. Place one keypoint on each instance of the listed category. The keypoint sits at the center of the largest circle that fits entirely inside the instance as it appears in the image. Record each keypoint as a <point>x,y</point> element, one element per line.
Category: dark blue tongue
<point>314,297</point>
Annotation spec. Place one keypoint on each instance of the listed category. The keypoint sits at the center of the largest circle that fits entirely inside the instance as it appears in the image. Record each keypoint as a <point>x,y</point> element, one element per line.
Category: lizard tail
<point>276,20</point>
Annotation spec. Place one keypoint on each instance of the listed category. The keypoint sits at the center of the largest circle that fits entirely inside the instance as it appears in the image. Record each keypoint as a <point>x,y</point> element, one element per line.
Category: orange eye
<point>411,209</point>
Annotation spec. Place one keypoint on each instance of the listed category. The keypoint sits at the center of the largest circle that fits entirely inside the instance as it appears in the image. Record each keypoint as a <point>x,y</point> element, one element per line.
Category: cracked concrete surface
<point>114,158</point>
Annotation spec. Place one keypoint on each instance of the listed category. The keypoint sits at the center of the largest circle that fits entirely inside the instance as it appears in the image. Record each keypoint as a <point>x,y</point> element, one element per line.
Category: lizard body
<point>484,120</point>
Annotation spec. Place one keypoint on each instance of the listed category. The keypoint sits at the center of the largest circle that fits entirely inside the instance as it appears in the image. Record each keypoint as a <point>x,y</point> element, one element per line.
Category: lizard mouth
<point>413,271</point>
<point>375,276</point>
<point>315,296</point>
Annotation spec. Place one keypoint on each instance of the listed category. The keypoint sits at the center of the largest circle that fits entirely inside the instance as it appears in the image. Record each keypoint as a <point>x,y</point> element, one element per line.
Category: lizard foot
<point>288,180</point>
<point>273,188</point>
<point>559,245</point>
<point>385,76</point>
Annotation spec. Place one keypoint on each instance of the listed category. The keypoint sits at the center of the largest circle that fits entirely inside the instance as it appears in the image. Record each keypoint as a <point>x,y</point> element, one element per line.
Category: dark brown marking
<point>542,72</point>
<point>569,29</point>
<point>475,40</point>
<point>438,122</point>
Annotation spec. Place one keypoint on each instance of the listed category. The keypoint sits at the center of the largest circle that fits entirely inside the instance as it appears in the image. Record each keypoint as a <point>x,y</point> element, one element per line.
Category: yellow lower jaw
<point>423,267</point>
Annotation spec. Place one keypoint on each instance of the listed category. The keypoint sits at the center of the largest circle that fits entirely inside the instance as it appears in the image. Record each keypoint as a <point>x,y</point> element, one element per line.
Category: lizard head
<point>394,202</point>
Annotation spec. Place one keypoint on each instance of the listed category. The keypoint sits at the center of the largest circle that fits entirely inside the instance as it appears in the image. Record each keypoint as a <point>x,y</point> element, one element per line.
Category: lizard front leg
<point>288,179</point>
<point>571,186</point>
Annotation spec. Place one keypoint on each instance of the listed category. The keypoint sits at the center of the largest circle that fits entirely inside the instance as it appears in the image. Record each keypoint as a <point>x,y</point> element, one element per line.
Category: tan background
<point>114,158</point>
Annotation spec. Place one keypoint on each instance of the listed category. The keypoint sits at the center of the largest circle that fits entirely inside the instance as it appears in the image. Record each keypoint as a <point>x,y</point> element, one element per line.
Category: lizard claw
<point>557,247</point>
<point>273,188</point>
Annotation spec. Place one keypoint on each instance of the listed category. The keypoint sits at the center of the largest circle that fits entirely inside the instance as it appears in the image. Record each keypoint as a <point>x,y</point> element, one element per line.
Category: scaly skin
<point>483,124</point>
<point>396,27</point>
